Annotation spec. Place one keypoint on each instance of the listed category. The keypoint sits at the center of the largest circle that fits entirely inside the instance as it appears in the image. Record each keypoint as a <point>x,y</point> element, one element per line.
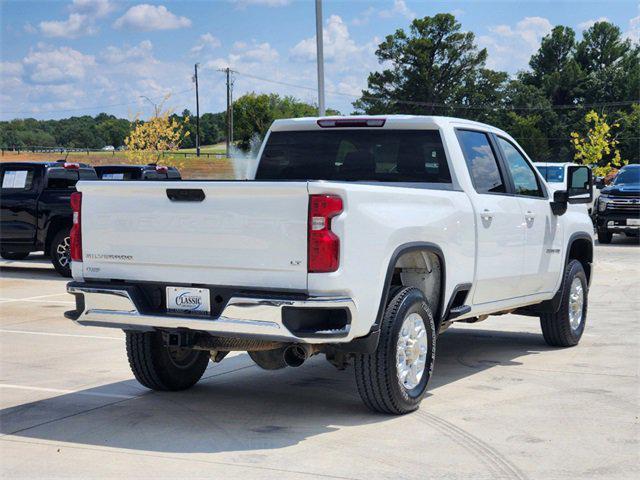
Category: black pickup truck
<point>150,171</point>
<point>619,205</point>
<point>35,210</point>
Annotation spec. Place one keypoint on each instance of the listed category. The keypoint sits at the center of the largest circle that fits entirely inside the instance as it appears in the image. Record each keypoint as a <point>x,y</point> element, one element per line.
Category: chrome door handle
<point>486,215</point>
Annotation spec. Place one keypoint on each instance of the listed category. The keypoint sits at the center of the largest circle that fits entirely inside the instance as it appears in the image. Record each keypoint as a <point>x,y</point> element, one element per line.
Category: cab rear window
<point>355,155</point>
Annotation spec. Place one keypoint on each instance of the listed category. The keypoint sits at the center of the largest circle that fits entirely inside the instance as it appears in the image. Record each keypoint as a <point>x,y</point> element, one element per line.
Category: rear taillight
<point>324,245</point>
<point>76,229</point>
<point>162,169</point>
<point>71,166</point>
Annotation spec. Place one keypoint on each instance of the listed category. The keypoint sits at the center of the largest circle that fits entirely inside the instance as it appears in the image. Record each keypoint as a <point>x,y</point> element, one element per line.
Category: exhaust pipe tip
<point>295,355</point>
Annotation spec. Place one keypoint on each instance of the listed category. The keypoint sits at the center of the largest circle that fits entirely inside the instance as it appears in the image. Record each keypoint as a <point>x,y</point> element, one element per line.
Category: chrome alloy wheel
<point>576,303</point>
<point>63,251</point>
<point>411,351</point>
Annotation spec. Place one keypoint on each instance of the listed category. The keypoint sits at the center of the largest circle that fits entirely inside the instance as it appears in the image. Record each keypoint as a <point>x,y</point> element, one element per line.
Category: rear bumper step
<point>312,320</point>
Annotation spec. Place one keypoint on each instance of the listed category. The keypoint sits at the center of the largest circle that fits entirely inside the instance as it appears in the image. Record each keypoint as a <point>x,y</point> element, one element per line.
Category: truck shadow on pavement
<point>237,407</point>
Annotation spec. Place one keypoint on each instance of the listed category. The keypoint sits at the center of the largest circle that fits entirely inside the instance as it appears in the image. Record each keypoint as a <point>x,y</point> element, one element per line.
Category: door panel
<point>543,248</point>
<point>499,221</point>
<point>543,234</point>
<point>500,248</point>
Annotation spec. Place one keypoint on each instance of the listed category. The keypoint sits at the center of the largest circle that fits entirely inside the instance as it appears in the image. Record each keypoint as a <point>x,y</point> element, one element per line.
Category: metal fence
<point>88,151</point>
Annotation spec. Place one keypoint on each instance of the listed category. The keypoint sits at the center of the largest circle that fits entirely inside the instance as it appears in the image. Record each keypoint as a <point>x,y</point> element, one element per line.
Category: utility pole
<point>320,59</point>
<point>195,77</point>
<point>228,73</point>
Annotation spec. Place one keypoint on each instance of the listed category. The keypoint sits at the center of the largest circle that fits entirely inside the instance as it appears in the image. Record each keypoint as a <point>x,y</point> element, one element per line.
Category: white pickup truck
<point>360,238</point>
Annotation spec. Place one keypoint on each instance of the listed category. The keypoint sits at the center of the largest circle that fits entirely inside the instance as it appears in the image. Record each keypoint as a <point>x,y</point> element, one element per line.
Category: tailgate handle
<point>185,194</point>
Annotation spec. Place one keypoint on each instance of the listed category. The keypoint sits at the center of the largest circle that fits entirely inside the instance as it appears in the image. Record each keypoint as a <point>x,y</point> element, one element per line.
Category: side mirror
<point>579,184</point>
<point>559,202</point>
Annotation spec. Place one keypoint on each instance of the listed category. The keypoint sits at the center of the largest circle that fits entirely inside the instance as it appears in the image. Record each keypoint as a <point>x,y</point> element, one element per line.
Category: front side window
<point>524,178</point>
<point>481,162</point>
<point>17,179</point>
<point>355,155</point>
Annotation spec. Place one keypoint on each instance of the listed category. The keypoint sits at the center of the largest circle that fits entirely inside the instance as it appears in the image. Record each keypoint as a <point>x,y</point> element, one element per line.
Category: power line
<point>443,105</point>
<point>97,107</point>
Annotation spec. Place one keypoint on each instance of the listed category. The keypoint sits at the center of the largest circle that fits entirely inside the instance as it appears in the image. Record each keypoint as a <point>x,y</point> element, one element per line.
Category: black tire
<point>60,253</point>
<point>159,367</point>
<point>604,236</point>
<point>14,255</point>
<point>556,327</point>
<point>377,373</point>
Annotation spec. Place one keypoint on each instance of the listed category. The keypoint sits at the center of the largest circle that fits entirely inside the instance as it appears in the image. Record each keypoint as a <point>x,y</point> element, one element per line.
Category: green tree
<point>598,146</point>
<point>434,63</point>
<point>254,113</point>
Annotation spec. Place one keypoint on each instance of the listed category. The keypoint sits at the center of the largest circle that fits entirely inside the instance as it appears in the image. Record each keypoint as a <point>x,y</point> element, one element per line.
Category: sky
<point>83,57</point>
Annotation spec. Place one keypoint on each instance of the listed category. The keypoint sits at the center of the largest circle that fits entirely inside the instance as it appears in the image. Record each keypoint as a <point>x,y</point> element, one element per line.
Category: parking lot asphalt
<point>501,403</point>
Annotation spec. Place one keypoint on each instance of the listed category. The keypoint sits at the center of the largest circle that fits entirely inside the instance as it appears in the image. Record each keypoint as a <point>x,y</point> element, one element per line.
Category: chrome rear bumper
<point>242,316</point>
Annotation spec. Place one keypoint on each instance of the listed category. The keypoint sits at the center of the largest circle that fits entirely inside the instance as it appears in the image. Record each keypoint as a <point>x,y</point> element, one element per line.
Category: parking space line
<point>6,300</point>
<point>52,334</point>
<point>65,391</point>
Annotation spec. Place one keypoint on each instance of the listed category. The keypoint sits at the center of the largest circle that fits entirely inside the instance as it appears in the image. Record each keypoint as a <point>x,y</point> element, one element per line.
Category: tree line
<point>434,68</point>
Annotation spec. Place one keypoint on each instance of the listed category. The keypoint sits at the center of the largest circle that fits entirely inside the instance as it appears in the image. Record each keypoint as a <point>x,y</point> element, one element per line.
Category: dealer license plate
<point>194,301</point>
<point>633,221</point>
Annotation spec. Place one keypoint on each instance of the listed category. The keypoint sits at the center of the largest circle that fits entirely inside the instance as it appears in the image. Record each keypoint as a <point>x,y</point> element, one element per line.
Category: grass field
<point>191,167</point>
<point>217,148</point>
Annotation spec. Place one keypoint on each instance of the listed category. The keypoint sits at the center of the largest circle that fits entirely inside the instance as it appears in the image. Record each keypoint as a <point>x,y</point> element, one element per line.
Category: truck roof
<point>390,122</point>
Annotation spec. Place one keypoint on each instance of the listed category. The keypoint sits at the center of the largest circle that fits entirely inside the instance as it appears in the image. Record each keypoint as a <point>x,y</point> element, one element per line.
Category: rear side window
<point>355,155</point>
<point>481,162</point>
<point>17,179</point>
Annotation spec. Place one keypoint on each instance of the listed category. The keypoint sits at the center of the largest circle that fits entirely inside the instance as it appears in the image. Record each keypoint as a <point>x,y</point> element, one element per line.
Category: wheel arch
<point>55,226</point>
<point>580,247</point>
<point>401,258</point>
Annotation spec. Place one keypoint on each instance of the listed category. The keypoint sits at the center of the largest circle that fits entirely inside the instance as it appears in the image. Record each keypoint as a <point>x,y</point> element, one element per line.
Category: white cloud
<point>75,26</point>
<point>49,65</point>
<point>92,8</point>
<point>338,44</point>
<point>589,23</point>
<point>205,42</point>
<point>633,33</point>
<point>28,28</point>
<point>11,69</point>
<point>246,57</point>
<point>142,51</point>
<point>151,17</point>
<point>80,22</point>
<point>510,48</point>
<point>265,3</point>
<point>364,17</point>
<point>399,9</point>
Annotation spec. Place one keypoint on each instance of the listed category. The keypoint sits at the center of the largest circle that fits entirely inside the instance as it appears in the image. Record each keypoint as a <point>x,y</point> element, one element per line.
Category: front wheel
<point>60,252</point>
<point>394,378</point>
<point>160,367</point>
<point>14,255</point>
<point>565,327</point>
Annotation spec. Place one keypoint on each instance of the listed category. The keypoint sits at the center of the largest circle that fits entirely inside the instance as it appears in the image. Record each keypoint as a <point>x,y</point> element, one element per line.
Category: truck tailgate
<point>241,234</point>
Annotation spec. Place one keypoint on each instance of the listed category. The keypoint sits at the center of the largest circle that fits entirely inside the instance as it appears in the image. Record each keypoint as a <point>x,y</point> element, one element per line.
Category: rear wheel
<point>160,367</point>
<point>394,378</point>
<point>14,255</point>
<point>60,252</point>
<point>604,235</point>
<point>564,328</point>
